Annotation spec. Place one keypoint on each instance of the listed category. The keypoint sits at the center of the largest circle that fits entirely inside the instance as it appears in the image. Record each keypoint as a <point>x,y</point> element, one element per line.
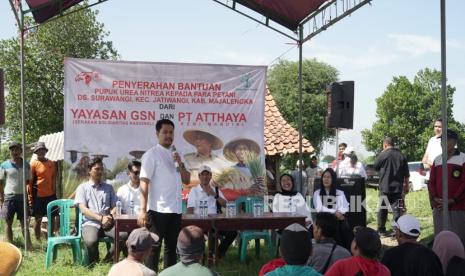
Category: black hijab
<point>284,192</point>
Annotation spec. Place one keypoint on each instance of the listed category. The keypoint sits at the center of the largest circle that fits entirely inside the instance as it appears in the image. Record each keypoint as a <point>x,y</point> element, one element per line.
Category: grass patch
<point>417,204</point>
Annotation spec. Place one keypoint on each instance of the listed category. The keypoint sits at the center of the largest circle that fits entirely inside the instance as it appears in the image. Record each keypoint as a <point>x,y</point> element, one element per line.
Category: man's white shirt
<point>197,194</point>
<point>433,149</point>
<point>126,194</point>
<point>165,188</point>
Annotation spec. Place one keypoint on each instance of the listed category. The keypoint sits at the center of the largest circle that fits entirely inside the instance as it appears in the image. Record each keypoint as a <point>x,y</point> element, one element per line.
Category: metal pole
<point>445,207</point>
<point>23,130</point>
<point>301,29</point>
<point>337,152</point>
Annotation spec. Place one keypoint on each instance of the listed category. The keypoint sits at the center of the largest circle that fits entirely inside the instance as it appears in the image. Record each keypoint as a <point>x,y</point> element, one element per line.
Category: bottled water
<point>266,205</point>
<point>295,204</point>
<point>257,208</point>
<point>230,209</point>
<point>260,208</point>
<point>119,208</point>
<point>203,208</point>
<point>131,207</point>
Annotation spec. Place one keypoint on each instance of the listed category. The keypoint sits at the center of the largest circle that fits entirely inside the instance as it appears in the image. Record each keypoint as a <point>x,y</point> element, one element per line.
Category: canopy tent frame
<point>341,10</point>
<point>298,30</point>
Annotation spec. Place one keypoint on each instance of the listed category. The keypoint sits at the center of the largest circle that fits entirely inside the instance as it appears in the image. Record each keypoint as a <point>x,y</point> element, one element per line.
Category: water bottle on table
<point>200,204</point>
<point>131,207</point>
<point>203,208</point>
<point>266,201</point>
<point>260,208</point>
<point>119,208</point>
<point>296,202</point>
<point>257,208</point>
<point>230,209</point>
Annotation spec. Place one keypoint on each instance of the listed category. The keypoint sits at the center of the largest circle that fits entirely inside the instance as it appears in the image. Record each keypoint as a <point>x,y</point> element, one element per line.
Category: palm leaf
<point>255,165</point>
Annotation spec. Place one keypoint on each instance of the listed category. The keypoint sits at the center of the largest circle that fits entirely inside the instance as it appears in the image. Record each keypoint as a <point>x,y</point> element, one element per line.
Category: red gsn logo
<point>87,77</point>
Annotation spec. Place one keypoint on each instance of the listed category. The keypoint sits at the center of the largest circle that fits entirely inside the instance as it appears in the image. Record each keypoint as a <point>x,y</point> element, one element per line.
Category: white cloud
<point>418,45</point>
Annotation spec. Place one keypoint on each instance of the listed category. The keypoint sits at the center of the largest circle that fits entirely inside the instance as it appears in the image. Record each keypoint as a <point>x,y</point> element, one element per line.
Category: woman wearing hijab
<point>447,245</point>
<point>291,201</point>
<point>331,200</point>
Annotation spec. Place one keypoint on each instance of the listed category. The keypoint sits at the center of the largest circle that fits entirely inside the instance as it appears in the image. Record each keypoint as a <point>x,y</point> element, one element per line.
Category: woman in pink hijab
<point>447,245</point>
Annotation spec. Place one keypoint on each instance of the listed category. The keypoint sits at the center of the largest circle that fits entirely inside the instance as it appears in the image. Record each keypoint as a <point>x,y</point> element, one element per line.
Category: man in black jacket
<point>393,181</point>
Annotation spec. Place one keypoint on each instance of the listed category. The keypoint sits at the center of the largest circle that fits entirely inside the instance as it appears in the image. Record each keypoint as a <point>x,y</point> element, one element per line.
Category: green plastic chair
<point>184,206</point>
<point>245,204</point>
<point>65,236</point>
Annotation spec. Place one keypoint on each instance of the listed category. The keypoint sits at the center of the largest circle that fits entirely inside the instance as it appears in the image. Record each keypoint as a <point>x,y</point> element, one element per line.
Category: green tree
<point>328,159</point>
<point>283,81</point>
<point>407,110</point>
<point>77,35</point>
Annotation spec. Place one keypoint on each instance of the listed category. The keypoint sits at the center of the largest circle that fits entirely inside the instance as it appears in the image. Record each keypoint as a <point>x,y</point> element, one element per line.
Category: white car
<point>418,176</point>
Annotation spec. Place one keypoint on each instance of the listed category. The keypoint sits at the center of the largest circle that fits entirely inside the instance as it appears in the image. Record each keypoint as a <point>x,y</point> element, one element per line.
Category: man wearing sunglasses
<point>131,191</point>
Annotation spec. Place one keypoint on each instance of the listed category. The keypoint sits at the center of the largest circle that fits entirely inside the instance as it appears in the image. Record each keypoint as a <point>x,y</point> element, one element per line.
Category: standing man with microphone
<point>160,185</point>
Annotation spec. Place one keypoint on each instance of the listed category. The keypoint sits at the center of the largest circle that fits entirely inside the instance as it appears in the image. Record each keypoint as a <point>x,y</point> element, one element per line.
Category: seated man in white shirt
<point>215,200</point>
<point>131,191</point>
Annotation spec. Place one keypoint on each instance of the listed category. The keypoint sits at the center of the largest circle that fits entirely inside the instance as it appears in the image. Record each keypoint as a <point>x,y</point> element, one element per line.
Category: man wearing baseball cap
<point>12,191</point>
<point>139,244</point>
<point>295,248</point>
<point>410,257</point>
<point>190,249</point>
<point>456,188</point>
<point>215,200</point>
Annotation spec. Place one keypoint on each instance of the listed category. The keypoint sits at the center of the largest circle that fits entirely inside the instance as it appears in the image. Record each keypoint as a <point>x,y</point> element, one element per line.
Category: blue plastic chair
<point>245,204</point>
<point>65,236</point>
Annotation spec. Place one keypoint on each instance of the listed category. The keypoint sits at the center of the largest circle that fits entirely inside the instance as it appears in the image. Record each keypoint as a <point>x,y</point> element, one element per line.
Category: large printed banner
<point>218,110</point>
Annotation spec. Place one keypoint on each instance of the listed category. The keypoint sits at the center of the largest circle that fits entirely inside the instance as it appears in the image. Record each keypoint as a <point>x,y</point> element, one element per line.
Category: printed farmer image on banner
<point>111,108</point>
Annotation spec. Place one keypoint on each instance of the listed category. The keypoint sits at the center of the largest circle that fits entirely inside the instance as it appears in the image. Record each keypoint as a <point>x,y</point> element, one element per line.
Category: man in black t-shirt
<point>393,181</point>
<point>409,257</point>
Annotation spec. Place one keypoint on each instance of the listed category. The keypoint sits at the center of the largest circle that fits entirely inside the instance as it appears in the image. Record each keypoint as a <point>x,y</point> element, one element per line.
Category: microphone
<point>173,151</point>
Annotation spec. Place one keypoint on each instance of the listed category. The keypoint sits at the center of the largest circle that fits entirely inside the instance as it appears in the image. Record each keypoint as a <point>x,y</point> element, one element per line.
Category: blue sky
<point>379,41</point>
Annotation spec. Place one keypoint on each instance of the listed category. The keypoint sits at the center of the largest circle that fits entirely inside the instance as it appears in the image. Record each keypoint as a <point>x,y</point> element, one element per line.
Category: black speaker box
<point>340,105</point>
